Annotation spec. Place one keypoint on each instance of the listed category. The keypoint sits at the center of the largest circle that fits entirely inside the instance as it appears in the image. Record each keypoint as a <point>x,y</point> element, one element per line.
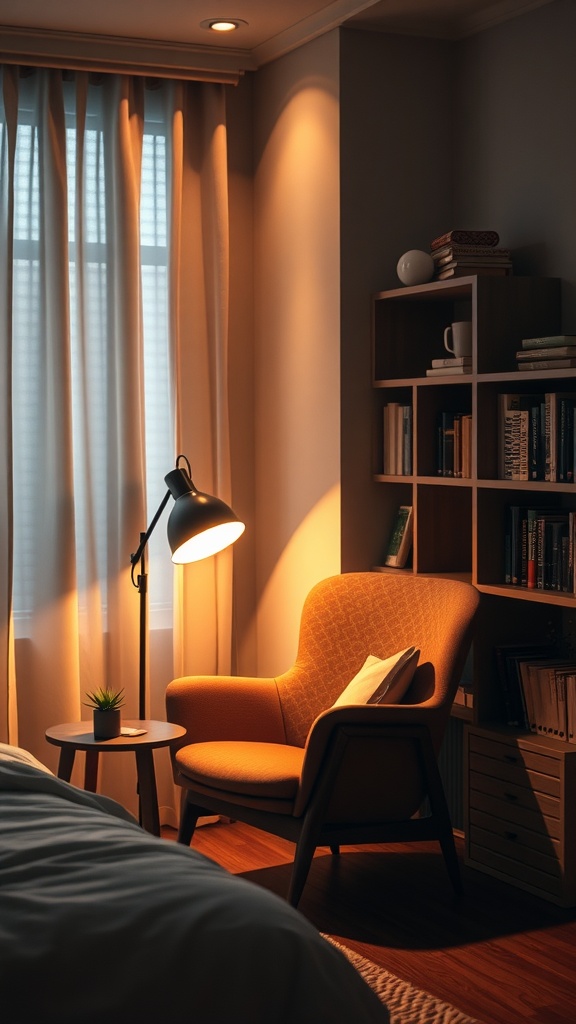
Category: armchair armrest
<point>225,708</point>
<point>380,721</point>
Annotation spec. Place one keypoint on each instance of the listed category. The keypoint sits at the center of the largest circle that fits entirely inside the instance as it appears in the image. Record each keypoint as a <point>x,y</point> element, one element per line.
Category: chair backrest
<point>347,617</point>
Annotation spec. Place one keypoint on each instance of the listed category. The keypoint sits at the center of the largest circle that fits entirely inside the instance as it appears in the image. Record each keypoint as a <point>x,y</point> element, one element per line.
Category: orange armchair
<point>273,753</point>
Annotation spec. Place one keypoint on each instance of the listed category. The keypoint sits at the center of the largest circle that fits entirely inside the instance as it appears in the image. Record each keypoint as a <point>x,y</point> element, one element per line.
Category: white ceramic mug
<point>461,335</point>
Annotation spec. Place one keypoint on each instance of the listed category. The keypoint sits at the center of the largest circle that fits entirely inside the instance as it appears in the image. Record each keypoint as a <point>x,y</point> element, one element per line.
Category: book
<point>536,442</point>
<point>531,538</point>
<point>445,451</point>
<point>547,364</point>
<point>512,544</point>
<point>400,538</point>
<point>565,428</point>
<point>455,250</point>
<point>472,261</point>
<point>556,352</point>
<point>457,445</point>
<point>466,236</point>
<point>466,435</point>
<point>406,440</point>
<point>550,430</point>
<point>549,341</point>
<point>390,437</point>
<point>459,271</point>
<point>515,444</point>
<point>452,361</point>
<point>448,371</point>
<point>397,441</point>
<point>515,435</point>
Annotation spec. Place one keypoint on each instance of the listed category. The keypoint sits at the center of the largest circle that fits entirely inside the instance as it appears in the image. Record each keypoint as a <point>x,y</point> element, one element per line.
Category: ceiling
<point>273,27</point>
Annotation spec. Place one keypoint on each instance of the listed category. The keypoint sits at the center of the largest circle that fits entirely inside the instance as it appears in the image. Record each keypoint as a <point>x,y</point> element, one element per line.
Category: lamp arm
<point>145,537</point>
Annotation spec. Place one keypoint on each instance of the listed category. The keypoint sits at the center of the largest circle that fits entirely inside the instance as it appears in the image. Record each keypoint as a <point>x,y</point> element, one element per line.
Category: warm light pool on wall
<point>222,24</point>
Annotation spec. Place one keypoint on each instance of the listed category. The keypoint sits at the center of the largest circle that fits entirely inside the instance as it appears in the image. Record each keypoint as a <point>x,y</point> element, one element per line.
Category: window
<point>89,337</point>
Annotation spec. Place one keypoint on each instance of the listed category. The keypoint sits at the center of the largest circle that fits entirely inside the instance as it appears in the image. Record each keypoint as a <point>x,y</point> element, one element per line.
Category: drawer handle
<point>511,835</point>
<point>511,796</point>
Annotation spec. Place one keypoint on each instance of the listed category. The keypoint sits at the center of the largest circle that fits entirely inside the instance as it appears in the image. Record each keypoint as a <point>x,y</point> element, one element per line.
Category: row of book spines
<point>454,445</point>
<point>551,697</point>
<point>539,549</point>
<point>545,701</point>
<point>537,439</point>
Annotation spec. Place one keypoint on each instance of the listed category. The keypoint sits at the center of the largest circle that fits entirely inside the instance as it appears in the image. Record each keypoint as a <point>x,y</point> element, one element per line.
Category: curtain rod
<point>77,51</point>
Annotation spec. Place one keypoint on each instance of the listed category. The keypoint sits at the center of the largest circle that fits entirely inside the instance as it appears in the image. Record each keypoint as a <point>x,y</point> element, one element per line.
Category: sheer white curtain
<point>113,342</point>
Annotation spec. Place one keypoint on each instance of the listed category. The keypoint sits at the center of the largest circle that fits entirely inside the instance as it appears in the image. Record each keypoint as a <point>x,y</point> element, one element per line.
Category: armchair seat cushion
<point>261,770</point>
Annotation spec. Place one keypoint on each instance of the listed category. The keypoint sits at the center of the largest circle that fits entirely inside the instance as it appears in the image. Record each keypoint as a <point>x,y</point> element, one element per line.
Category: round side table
<point>73,736</point>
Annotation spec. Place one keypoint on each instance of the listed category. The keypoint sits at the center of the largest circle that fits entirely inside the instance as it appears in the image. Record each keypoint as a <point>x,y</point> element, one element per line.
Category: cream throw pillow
<point>381,681</point>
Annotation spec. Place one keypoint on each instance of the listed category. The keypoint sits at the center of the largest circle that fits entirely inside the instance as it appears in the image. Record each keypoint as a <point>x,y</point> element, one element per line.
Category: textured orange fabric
<point>225,708</point>
<point>347,617</point>
<point>269,770</point>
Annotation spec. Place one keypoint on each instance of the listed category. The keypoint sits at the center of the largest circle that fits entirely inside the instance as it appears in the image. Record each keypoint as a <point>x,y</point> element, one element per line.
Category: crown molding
<point>330,17</point>
<point>497,13</point>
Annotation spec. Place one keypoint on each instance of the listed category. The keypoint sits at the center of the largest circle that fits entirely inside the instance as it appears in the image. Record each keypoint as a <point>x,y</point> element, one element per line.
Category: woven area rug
<point>406,1004</point>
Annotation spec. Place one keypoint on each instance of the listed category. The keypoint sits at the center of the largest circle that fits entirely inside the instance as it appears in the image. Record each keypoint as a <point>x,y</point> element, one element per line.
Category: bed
<point>100,921</point>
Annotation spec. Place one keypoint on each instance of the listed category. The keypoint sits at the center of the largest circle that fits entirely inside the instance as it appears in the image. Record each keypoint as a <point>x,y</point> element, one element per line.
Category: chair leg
<point>334,848</point>
<point>189,815</point>
<point>300,868</point>
<point>448,847</point>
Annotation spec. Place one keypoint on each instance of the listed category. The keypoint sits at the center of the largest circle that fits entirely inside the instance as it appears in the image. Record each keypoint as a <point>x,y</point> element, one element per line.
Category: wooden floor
<point>498,953</point>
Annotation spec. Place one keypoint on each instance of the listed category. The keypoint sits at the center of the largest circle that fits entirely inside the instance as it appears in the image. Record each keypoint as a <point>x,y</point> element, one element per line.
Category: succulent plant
<point>104,699</point>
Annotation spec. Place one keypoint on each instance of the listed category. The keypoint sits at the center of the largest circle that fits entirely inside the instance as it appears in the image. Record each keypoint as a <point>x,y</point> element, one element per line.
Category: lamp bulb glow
<point>207,543</point>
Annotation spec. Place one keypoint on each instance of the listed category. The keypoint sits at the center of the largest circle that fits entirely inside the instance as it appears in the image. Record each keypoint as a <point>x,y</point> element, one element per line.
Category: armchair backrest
<point>347,617</point>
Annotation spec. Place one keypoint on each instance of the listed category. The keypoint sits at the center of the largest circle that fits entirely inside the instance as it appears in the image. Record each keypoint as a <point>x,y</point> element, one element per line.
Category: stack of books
<point>449,366</point>
<point>550,352</point>
<point>461,252</point>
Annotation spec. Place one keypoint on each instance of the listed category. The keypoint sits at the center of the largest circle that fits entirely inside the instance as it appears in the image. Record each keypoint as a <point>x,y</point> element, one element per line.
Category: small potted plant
<point>106,704</point>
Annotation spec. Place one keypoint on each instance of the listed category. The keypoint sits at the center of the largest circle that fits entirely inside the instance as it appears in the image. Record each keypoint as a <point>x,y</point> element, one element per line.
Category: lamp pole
<point>141,584</point>
<point>200,525</point>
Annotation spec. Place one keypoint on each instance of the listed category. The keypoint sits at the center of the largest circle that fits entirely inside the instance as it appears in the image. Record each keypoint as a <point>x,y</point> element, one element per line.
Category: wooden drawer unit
<point>520,811</point>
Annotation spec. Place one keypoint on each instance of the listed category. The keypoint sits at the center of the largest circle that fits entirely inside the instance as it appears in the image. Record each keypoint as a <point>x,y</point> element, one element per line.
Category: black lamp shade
<point>199,525</point>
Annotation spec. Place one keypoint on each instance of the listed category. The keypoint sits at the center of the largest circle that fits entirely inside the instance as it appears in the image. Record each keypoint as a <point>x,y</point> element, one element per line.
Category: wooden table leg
<point>147,790</point>
<point>91,771</point>
<point>66,763</point>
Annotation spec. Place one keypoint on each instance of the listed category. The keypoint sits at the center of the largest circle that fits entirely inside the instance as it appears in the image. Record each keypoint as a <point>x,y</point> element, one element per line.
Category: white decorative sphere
<point>415,267</point>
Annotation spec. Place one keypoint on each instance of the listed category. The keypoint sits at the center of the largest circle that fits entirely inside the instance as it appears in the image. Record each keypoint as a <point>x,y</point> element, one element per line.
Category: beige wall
<point>297,339</point>
<point>357,159</point>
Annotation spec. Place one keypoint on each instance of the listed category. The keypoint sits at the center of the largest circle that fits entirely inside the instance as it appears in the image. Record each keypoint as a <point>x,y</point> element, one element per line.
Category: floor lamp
<point>199,525</point>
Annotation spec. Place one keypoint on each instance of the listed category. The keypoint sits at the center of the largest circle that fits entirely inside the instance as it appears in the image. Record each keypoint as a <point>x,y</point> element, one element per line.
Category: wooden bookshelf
<point>459,528</point>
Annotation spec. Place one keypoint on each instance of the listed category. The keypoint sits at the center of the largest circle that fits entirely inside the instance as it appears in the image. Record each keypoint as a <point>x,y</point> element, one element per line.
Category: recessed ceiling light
<point>222,24</point>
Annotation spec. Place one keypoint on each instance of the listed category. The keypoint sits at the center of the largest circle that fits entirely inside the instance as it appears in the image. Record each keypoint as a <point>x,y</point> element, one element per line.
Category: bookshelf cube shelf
<point>459,525</point>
